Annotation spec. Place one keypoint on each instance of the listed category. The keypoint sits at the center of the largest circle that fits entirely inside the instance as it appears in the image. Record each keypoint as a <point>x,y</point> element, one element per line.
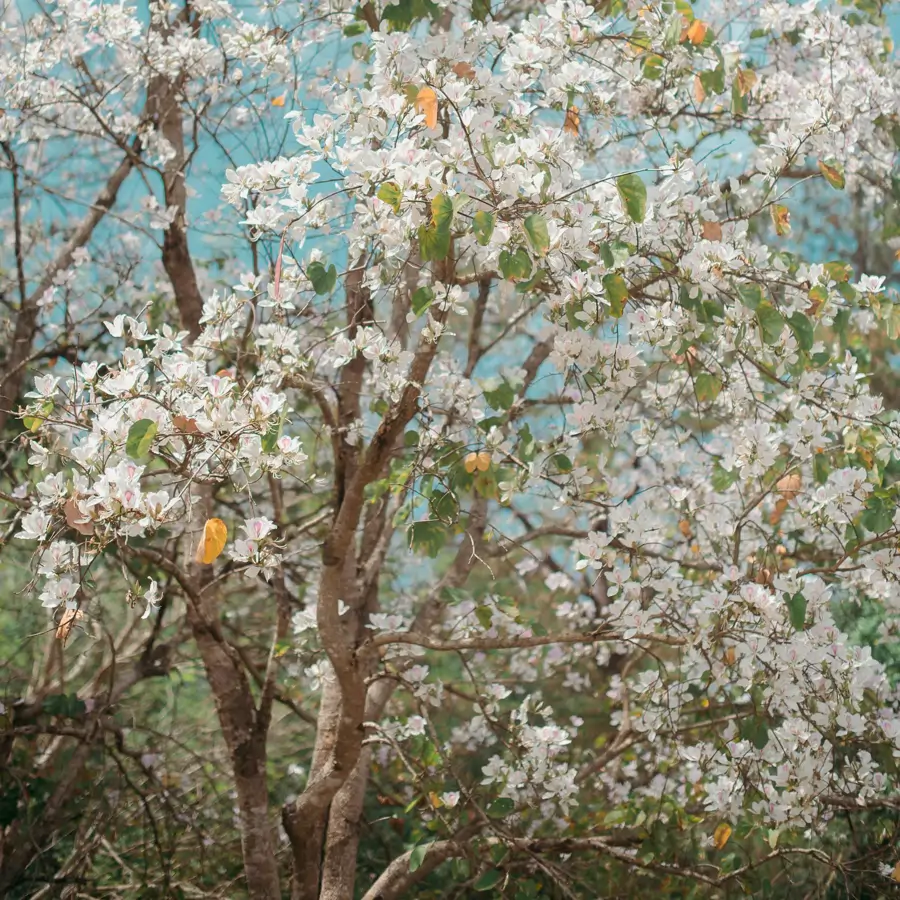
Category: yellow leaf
<point>570,126</point>
<point>479,462</point>
<point>427,105</point>
<point>697,32</point>
<point>67,623</point>
<point>746,81</point>
<point>730,656</point>
<point>212,542</point>
<point>895,875</point>
<point>279,101</point>
<point>781,219</point>
<point>435,800</point>
<point>721,835</point>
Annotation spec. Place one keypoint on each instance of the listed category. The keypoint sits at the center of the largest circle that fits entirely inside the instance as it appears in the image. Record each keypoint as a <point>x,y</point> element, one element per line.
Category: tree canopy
<point>450,448</point>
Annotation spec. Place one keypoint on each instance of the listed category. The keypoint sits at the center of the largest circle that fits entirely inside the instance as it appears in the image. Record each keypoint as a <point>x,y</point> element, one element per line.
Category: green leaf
<point>422,298</point>
<point>501,397</point>
<point>756,731</point>
<point>771,322</point>
<point>354,29</point>
<point>441,213</point>
<point>401,15</point>
<point>33,423</point>
<point>9,805</point>
<point>323,280</point>
<point>490,879</point>
<point>270,438</point>
<point>653,67</point>
<point>614,254</point>
<point>485,616</point>
<point>617,293</point>
<point>707,387</point>
<point>563,463</point>
<point>821,468</point>
<point>722,478</point>
<point>535,227</point>
<point>434,244</point>
<point>391,194</point>
<point>515,266</point>
<point>68,705</point>
<point>417,856</point>
<point>428,536</point>
<point>751,295</point>
<point>713,80</point>
<point>803,330</point>
<point>633,193</point>
<point>444,506</point>
<point>483,226</point>
<point>833,172</point>
<point>534,283</point>
<point>140,438</point>
<point>481,9</point>
<point>878,516</point>
<point>501,808</point>
<point>796,605</point>
<point>460,201</point>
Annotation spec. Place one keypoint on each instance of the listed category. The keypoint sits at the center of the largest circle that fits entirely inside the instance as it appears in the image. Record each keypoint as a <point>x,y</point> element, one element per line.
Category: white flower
<point>34,525</point>
<point>153,596</point>
<point>870,284</point>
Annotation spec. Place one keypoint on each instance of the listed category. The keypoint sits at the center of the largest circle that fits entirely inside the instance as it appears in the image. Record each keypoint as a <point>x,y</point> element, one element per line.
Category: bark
<point>243,727</point>
<point>342,841</point>
<point>163,104</point>
<point>342,713</point>
<point>246,746</point>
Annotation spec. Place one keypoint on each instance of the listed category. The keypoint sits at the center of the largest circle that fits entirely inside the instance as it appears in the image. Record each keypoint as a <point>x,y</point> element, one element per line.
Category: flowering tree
<point>499,393</point>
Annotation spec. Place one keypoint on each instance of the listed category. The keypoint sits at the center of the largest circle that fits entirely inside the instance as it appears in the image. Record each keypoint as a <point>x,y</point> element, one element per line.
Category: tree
<point>501,430</point>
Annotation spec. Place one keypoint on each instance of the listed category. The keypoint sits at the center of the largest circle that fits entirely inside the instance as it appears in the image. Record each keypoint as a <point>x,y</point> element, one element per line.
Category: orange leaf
<point>212,543</point>
<point>464,70</point>
<point>699,90</point>
<point>780,506</point>
<point>721,835</point>
<point>279,101</point>
<point>427,105</point>
<point>712,231</point>
<point>570,126</point>
<point>789,485</point>
<point>697,31</point>
<point>895,875</point>
<point>480,462</point>
<point>730,656</point>
<point>185,425</point>
<point>74,516</point>
<point>67,623</point>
